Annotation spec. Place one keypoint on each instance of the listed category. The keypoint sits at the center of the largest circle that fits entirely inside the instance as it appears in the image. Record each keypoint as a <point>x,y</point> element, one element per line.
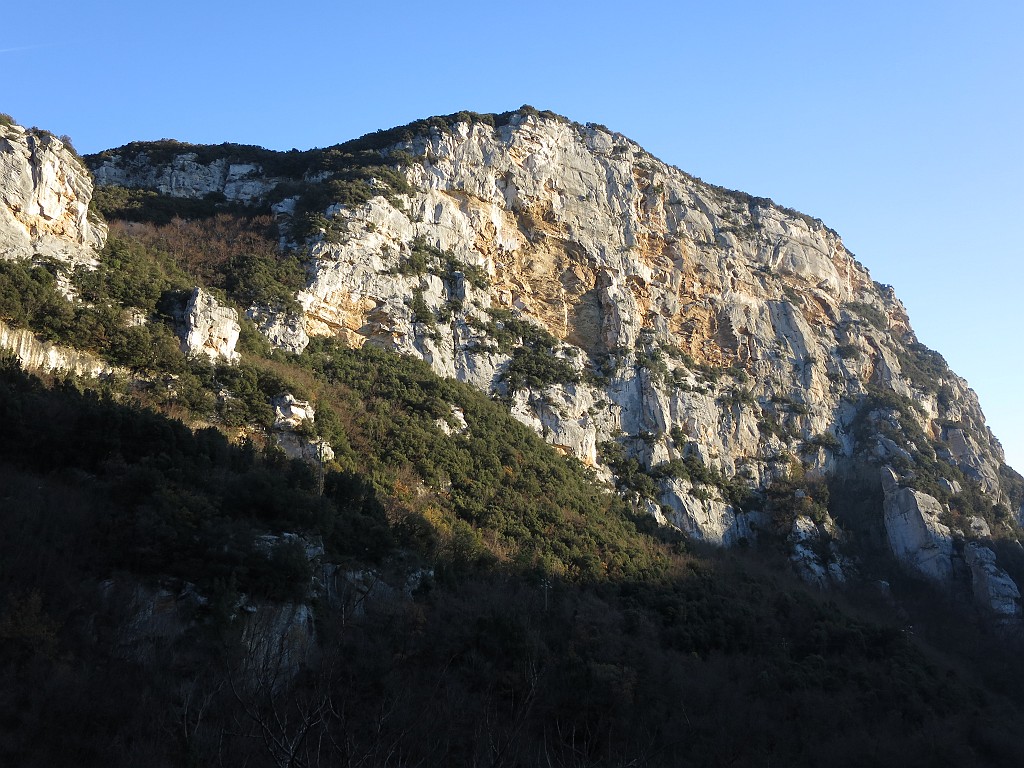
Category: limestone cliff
<point>44,199</point>
<point>41,356</point>
<point>629,313</point>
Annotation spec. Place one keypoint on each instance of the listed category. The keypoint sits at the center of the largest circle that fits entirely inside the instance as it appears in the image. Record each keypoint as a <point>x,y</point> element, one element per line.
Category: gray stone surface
<point>44,200</point>
<point>916,536</point>
<point>619,256</point>
<point>209,329</point>
<point>993,588</point>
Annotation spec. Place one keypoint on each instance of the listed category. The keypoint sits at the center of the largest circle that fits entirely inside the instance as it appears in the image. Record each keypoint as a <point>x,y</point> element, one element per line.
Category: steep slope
<point>698,345</point>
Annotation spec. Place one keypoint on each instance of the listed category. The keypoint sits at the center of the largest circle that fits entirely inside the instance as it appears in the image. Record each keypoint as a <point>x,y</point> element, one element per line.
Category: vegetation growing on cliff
<point>534,362</point>
<point>424,258</point>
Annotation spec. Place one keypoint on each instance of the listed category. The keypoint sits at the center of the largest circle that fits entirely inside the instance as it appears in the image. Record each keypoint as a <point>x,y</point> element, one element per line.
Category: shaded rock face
<point>208,328</point>
<point>44,200</point>
<point>993,588</point>
<point>916,537</point>
<point>699,322</point>
<point>815,554</point>
<point>278,639</point>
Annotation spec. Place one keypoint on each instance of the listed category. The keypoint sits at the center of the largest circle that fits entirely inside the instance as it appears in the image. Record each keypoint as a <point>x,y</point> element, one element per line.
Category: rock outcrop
<point>993,588</point>
<point>185,175</point>
<point>208,328</point>
<point>293,422</point>
<point>291,413</point>
<point>815,554</point>
<point>916,536</point>
<point>44,200</point>
<point>42,356</point>
<point>283,331</point>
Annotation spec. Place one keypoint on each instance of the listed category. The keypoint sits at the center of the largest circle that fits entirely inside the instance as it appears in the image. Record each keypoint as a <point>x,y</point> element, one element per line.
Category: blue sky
<point>897,123</point>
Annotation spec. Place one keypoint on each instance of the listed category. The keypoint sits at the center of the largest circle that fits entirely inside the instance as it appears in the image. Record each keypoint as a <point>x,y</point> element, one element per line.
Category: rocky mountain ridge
<point>697,347</point>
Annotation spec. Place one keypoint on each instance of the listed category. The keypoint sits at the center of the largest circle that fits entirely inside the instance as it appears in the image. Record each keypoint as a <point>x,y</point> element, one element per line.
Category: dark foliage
<point>150,207</point>
<point>925,367</point>
<point>29,298</point>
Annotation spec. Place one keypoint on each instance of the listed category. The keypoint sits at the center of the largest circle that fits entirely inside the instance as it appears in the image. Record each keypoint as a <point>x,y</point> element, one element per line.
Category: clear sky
<point>898,123</point>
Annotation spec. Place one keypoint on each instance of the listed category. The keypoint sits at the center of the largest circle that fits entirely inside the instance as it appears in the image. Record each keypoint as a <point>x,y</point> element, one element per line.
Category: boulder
<point>979,527</point>
<point>283,331</point>
<point>290,413</point>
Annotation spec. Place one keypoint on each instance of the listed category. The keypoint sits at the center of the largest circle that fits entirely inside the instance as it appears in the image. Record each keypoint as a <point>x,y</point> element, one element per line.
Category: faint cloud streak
<point>23,48</point>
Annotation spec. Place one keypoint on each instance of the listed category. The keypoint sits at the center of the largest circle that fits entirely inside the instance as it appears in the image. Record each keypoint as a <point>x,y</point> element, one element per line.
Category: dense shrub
<point>869,313</point>
<point>534,363</point>
<point>29,298</point>
<point>925,367</point>
<point>499,476</point>
<point>151,207</point>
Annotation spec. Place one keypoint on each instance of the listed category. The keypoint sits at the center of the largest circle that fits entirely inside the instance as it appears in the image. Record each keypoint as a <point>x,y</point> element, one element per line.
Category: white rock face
<point>36,355</point>
<point>685,507</point>
<point>44,200</point>
<point>291,416</point>
<point>209,328</point>
<point>916,537</point>
<point>612,252</point>
<point>973,460</point>
<point>290,413</point>
<point>993,587</point>
<point>455,424</point>
<point>283,331</point>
